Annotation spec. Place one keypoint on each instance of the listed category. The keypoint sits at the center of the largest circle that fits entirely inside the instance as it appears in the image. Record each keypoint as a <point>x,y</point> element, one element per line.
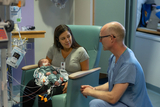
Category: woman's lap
<point>32,92</point>
<point>55,91</point>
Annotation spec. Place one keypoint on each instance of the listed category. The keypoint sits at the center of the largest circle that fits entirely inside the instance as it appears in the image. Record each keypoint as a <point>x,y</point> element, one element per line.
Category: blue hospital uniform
<point>127,70</point>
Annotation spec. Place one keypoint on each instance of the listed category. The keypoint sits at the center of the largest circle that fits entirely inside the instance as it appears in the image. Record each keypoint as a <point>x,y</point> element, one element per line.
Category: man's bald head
<point>114,28</point>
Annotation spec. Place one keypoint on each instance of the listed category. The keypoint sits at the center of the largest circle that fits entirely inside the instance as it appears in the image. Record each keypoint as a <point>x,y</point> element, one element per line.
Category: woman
<point>65,53</point>
<point>68,52</point>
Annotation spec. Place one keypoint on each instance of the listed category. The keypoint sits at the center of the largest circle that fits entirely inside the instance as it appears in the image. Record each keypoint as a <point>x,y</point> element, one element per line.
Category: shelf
<point>29,34</point>
<point>141,29</point>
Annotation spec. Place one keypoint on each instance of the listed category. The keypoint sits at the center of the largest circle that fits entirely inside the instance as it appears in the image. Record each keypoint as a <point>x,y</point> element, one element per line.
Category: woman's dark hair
<point>58,31</point>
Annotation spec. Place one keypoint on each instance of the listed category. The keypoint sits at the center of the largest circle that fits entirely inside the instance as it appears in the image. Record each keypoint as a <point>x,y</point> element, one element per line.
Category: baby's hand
<point>48,73</point>
<point>56,83</point>
<point>55,72</point>
<point>61,78</point>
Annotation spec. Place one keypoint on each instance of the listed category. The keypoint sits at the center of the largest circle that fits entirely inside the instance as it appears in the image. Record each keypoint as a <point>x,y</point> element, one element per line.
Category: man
<point>126,83</point>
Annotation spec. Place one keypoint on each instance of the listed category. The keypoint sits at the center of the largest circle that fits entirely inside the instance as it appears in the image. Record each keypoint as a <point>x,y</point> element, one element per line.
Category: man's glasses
<point>100,37</point>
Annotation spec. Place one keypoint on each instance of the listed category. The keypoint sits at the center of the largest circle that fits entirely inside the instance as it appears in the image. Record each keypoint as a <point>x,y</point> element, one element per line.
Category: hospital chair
<point>88,37</point>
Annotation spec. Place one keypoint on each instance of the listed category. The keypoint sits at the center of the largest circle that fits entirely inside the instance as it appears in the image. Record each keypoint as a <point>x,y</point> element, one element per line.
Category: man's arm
<point>104,87</point>
<point>108,96</point>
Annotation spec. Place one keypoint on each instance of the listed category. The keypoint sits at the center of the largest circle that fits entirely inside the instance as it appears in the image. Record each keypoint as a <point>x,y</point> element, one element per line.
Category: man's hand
<point>86,86</point>
<point>85,89</point>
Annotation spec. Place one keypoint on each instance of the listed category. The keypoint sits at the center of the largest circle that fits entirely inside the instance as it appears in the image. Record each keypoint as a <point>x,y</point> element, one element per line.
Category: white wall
<point>46,17</point>
<point>107,11</point>
<point>83,12</point>
<point>147,51</point>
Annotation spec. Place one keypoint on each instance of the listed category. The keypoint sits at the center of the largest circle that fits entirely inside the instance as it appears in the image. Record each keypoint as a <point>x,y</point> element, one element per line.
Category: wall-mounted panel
<point>107,11</point>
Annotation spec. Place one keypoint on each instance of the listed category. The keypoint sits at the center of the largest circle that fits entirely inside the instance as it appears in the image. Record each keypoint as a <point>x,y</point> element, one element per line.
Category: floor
<point>154,97</point>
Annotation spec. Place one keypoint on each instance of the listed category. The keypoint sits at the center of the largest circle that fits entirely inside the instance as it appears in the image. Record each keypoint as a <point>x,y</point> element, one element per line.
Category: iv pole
<point>4,78</point>
<point>9,25</point>
<point>3,73</point>
<point>5,50</point>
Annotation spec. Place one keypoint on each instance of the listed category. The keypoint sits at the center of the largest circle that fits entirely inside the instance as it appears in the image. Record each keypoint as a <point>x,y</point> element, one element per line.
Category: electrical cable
<point>27,87</point>
<point>30,98</point>
<point>21,84</point>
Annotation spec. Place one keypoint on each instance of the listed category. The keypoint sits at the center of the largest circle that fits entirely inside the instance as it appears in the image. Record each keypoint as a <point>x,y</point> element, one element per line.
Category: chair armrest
<point>80,74</point>
<point>59,100</point>
<point>30,67</point>
<point>27,75</point>
<point>74,96</point>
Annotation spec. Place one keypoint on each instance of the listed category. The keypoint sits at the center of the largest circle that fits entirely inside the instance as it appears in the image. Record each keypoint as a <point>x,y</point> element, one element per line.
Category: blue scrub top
<point>128,70</point>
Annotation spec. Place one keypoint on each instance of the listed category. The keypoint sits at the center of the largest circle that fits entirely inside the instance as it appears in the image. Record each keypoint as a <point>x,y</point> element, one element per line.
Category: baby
<point>53,75</point>
<point>46,74</point>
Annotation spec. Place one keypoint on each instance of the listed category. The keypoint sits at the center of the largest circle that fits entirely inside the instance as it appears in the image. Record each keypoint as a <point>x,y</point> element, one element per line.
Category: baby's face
<point>45,62</point>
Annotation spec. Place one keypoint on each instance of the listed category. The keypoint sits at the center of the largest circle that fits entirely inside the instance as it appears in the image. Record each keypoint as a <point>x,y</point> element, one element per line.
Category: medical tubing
<point>32,92</point>
<point>19,32</point>
<point>30,98</point>
<point>20,83</point>
<point>27,86</point>
<point>26,93</point>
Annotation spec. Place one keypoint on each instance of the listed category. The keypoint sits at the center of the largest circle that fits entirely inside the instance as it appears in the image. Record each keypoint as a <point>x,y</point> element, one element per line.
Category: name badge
<point>63,65</point>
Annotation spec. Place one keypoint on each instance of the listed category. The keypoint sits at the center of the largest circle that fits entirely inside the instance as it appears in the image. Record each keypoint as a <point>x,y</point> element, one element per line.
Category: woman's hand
<point>65,87</point>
